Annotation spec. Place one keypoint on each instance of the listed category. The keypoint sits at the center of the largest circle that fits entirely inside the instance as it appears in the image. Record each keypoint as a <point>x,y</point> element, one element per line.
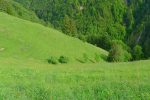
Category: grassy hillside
<point>37,81</point>
<point>22,39</point>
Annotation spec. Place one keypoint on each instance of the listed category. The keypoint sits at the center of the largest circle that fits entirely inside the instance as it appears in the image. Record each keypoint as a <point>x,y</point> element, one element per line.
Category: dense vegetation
<point>141,25</point>
<point>16,9</point>
<point>119,52</point>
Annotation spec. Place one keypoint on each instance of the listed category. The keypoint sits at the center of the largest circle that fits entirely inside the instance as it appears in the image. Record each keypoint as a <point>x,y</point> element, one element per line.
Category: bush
<point>52,60</point>
<point>119,53</point>
<point>137,52</point>
<point>63,59</point>
<point>6,6</point>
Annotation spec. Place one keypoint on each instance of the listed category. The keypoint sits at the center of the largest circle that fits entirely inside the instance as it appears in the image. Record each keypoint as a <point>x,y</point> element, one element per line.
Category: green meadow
<point>29,80</point>
<point>26,75</point>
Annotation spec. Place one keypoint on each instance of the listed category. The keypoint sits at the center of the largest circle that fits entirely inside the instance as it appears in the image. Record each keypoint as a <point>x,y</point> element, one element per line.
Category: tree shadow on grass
<point>79,60</point>
<point>82,61</point>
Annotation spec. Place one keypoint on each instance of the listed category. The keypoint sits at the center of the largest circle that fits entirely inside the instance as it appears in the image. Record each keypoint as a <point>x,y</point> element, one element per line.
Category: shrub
<point>63,59</point>
<point>118,53</point>
<point>137,52</point>
<point>52,60</point>
<point>6,6</point>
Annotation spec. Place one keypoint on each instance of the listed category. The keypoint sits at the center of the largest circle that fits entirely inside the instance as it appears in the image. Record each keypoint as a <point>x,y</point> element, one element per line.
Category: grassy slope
<point>37,81</point>
<point>25,40</point>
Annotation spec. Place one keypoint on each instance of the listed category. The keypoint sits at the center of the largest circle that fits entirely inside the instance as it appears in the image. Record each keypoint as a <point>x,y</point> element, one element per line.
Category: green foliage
<point>119,53</point>
<point>63,59</point>
<point>69,26</point>
<point>129,20</point>
<point>118,10</point>
<point>116,32</point>
<point>6,6</point>
<point>82,37</point>
<point>116,54</point>
<point>137,52</point>
<point>103,41</point>
<point>146,47</point>
<point>52,60</point>
<point>140,32</point>
<point>16,9</point>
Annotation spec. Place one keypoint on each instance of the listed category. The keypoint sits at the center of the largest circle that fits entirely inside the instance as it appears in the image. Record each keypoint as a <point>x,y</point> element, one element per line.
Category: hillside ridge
<point>23,39</point>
